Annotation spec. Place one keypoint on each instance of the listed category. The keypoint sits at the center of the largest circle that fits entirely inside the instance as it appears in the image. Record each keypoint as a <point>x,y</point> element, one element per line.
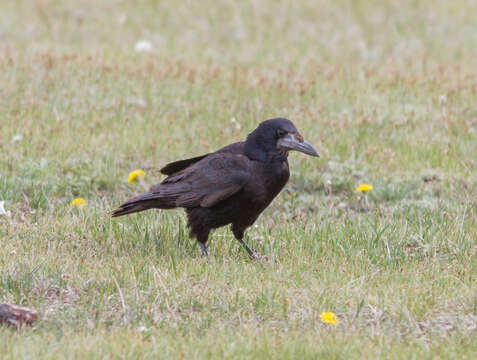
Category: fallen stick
<point>16,315</point>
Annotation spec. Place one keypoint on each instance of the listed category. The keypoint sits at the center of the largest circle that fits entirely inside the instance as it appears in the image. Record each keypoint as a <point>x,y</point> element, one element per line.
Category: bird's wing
<point>205,183</point>
<point>179,165</point>
<point>176,166</point>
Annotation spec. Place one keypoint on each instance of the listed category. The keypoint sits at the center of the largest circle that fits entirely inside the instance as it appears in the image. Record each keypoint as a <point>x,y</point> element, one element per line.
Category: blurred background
<point>362,33</point>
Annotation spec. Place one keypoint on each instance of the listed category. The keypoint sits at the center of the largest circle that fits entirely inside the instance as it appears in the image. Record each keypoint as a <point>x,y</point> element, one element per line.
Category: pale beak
<point>296,142</point>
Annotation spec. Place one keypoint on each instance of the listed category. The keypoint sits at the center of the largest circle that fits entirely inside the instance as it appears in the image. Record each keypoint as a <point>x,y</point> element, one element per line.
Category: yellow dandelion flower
<point>364,188</point>
<point>78,202</point>
<point>328,317</point>
<point>136,175</point>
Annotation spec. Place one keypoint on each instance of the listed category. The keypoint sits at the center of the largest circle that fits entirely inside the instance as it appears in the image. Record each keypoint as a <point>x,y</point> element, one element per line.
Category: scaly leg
<point>238,233</point>
<point>204,249</point>
<point>202,236</point>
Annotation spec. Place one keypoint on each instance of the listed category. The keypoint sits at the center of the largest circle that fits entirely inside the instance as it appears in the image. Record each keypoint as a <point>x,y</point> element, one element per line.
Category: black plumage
<point>230,186</point>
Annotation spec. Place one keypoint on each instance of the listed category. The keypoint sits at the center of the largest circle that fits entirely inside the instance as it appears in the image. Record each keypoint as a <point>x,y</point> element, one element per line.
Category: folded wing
<point>203,184</point>
<point>179,165</point>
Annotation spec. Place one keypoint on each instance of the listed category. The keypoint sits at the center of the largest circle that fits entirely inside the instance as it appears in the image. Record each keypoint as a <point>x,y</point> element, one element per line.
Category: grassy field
<point>386,91</point>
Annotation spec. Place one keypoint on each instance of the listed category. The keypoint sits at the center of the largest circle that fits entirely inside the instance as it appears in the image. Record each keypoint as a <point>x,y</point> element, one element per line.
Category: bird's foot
<point>256,256</point>
<point>205,253</point>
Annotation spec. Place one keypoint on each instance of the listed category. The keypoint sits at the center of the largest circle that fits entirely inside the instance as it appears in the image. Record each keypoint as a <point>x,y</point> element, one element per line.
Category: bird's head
<point>276,136</point>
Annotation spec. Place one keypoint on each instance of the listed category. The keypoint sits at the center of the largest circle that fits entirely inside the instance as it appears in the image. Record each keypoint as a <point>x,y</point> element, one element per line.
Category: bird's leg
<point>204,249</point>
<point>201,235</point>
<point>252,253</point>
<point>239,236</point>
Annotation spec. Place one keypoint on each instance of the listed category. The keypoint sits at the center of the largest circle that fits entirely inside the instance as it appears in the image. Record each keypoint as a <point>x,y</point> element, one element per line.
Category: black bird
<point>230,186</point>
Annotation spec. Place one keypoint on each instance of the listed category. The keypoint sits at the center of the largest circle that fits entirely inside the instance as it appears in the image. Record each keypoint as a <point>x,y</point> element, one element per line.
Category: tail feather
<point>129,209</point>
<point>144,202</point>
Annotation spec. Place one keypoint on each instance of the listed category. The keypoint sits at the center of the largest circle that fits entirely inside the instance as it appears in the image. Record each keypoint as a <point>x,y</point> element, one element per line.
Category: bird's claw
<point>256,256</point>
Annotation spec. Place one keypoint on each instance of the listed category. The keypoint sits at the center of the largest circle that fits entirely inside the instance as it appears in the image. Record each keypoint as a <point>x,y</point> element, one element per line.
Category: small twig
<point>120,295</point>
<point>18,316</point>
<point>366,201</point>
<point>330,194</point>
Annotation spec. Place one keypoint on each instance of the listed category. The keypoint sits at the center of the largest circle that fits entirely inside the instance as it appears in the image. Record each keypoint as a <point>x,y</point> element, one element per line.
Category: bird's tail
<point>144,202</point>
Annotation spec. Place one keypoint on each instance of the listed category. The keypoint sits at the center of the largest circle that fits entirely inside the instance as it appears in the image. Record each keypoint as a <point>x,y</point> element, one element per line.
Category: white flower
<point>237,125</point>
<point>140,102</point>
<point>342,205</point>
<point>2,209</point>
<point>442,99</point>
<point>143,46</point>
<point>16,138</point>
<point>122,19</point>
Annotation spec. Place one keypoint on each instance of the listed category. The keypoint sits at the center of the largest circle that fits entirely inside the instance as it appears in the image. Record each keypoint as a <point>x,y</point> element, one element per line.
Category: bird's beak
<point>296,142</point>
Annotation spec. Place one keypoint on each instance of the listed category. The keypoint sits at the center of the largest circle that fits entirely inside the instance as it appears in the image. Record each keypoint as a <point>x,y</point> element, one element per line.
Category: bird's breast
<point>269,181</point>
<point>281,175</point>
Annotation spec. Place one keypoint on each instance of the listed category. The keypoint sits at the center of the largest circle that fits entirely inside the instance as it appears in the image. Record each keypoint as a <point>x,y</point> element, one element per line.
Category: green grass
<point>386,92</point>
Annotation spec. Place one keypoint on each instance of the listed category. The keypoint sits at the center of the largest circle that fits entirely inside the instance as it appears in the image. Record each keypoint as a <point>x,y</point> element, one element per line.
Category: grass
<point>385,90</point>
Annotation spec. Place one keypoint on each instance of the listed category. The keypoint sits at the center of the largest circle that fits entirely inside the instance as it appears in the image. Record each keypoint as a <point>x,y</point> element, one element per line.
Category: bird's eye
<point>281,133</point>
